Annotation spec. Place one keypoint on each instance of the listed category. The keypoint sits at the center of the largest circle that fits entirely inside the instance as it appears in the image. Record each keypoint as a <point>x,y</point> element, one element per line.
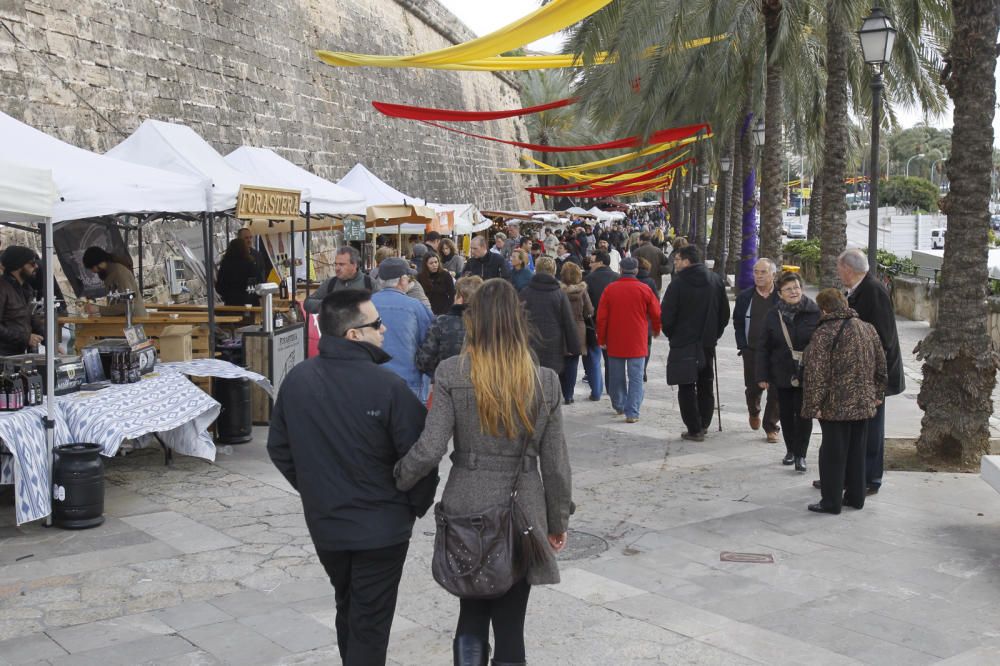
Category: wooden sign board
<point>443,222</point>
<point>265,203</point>
<point>354,229</point>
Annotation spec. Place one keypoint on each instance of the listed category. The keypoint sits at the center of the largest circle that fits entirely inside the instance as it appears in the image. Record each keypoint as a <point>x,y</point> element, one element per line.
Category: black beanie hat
<point>16,256</point>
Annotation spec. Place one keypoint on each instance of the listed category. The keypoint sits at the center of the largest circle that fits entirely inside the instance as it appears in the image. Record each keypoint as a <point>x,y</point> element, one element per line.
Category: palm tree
<point>771,185</point>
<point>959,365</point>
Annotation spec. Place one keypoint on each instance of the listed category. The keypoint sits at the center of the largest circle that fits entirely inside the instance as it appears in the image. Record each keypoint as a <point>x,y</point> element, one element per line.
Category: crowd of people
<point>492,345</point>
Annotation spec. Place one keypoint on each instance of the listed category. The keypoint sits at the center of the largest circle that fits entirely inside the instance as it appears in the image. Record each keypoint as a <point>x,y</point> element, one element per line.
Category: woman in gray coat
<point>485,399</point>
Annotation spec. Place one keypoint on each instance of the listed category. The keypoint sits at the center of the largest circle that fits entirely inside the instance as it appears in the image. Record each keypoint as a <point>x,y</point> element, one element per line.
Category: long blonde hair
<point>504,375</point>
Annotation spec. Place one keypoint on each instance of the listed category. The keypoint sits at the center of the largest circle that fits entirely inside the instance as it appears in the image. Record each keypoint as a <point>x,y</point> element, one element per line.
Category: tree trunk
<point>736,200</point>
<point>676,210</point>
<point>815,224</point>
<point>748,246</point>
<point>959,365</point>
<point>771,185</point>
<point>720,216</point>
<point>834,225</point>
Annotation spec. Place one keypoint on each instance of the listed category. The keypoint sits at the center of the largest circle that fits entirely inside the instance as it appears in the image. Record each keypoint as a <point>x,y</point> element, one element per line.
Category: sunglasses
<point>377,324</point>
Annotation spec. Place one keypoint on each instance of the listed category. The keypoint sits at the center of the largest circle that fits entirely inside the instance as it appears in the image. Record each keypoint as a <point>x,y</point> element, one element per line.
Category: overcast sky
<point>485,16</point>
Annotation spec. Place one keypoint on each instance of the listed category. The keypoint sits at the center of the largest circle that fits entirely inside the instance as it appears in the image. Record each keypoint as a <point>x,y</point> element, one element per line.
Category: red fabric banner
<point>448,115</point>
<point>662,136</point>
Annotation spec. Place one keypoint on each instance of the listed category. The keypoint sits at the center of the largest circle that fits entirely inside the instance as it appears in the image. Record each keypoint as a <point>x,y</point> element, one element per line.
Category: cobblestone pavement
<point>205,564</point>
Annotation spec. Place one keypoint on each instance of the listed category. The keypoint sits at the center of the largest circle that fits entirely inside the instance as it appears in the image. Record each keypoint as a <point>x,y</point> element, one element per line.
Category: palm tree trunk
<point>748,247</point>
<point>736,200</point>
<point>959,365</point>
<point>770,180</point>
<point>816,207</point>
<point>834,225</point>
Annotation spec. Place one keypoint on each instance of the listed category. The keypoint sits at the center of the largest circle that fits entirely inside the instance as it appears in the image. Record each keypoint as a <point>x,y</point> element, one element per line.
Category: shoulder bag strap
<point>796,355</point>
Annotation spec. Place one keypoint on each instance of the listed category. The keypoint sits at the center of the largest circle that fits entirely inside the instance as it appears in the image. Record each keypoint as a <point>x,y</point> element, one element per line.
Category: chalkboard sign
<point>354,230</point>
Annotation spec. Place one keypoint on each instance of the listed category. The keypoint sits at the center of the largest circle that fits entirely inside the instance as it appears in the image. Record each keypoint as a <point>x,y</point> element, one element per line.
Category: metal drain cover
<point>582,546</point>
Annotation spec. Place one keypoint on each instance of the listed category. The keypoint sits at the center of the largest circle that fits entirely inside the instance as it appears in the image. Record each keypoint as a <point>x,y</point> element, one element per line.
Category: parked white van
<point>937,239</point>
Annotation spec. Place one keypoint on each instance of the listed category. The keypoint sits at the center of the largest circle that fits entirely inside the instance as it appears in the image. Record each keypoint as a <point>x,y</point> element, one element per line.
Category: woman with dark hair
<point>237,271</point>
<point>845,381</point>
<point>787,329</point>
<point>451,260</point>
<point>438,284</point>
<point>488,400</point>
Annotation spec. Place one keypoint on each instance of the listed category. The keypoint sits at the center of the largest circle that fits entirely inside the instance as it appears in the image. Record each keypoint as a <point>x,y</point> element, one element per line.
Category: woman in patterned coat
<point>845,380</point>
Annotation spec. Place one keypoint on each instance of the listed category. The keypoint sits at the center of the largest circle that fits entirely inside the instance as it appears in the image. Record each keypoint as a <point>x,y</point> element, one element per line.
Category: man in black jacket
<point>749,315</point>
<point>484,263</point>
<point>555,333</point>
<point>20,330</point>
<point>869,298</point>
<point>339,454</point>
<point>695,313</point>
<point>598,279</point>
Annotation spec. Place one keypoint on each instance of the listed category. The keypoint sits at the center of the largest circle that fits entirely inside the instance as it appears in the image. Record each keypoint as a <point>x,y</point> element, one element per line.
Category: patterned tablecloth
<point>164,402</point>
<point>211,367</point>
<point>25,459</point>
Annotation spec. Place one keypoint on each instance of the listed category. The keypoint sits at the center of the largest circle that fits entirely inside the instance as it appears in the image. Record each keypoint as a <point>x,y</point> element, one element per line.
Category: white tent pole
<point>50,353</point>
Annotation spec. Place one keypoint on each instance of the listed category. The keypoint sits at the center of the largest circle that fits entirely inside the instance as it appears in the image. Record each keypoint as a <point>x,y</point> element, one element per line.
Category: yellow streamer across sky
<point>486,64</point>
<point>579,176</point>
<point>590,166</point>
<point>553,17</point>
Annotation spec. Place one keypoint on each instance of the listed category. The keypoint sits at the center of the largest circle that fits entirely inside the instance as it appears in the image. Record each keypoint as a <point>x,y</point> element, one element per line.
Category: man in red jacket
<point>627,308</point>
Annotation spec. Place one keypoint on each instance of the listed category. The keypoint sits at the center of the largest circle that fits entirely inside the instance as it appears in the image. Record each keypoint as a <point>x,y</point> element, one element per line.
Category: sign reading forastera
<point>264,203</point>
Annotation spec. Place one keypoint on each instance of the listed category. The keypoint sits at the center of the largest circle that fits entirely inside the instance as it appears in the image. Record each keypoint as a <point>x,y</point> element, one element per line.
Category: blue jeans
<point>875,449</point>
<point>625,384</point>
<point>592,366</point>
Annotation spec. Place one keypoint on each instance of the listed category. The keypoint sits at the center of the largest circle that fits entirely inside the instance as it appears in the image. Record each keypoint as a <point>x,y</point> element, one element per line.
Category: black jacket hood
<point>343,349</point>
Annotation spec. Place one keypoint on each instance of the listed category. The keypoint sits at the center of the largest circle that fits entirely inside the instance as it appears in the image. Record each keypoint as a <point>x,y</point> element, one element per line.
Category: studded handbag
<point>481,555</point>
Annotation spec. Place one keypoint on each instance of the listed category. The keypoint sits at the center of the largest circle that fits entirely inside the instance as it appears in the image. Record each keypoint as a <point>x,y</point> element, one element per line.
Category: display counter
<point>91,328</point>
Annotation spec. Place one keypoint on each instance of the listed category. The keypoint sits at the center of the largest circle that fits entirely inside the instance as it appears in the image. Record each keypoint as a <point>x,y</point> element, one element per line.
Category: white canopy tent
<point>179,149</point>
<point>323,196</point>
<point>375,190</point>
<point>599,214</point>
<point>29,195</point>
<point>92,185</point>
<point>576,210</point>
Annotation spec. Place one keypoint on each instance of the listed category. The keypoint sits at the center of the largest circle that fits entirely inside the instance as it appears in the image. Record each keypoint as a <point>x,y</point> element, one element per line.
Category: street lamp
<point>877,36</point>
<point>933,165</point>
<point>910,160</point>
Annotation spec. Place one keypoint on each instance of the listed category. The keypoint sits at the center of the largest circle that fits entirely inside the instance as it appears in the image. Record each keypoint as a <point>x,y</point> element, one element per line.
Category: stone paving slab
<point>202,564</point>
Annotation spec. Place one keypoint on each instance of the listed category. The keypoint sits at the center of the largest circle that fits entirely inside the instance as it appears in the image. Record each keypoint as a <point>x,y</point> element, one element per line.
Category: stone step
<point>991,471</point>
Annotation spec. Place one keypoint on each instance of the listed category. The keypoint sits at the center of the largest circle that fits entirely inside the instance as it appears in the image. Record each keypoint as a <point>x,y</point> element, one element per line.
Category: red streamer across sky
<point>662,136</point>
<point>449,115</point>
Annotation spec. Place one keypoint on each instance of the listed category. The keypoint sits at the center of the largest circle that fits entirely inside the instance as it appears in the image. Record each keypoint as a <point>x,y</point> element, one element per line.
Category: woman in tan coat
<point>583,310</point>
<point>487,399</point>
<point>844,383</point>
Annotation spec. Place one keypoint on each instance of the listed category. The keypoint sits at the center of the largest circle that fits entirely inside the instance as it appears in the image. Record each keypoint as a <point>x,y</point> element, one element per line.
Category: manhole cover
<point>582,546</point>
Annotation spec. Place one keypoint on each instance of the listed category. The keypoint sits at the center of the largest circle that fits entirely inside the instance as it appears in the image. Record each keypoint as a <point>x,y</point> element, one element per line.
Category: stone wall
<point>89,71</point>
<point>244,73</point>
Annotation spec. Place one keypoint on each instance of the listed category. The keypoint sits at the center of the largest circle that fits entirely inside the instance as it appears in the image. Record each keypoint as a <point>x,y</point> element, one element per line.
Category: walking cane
<point>718,398</point>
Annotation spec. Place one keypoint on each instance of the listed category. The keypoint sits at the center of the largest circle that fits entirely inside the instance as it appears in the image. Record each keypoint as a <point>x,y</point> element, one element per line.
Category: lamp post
<point>877,36</point>
<point>910,160</point>
<point>933,165</point>
<point>724,164</point>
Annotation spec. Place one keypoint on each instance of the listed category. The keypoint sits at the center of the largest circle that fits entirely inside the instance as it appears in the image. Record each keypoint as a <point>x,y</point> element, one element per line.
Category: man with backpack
<point>347,275</point>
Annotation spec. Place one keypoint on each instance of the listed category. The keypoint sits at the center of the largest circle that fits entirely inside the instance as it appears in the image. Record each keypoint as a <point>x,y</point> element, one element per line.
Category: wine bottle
<point>4,402</point>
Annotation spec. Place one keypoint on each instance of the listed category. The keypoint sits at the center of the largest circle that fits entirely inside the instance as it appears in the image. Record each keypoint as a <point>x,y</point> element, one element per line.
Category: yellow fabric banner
<point>590,166</point>
<point>551,18</point>
<point>493,63</point>
<point>579,176</point>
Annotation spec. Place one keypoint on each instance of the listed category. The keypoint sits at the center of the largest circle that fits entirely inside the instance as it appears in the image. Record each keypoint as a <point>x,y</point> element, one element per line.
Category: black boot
<point>468,650</point>
<point>509,663</point>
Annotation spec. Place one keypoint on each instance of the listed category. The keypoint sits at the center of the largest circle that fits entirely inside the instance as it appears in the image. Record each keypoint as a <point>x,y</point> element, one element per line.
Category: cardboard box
<point>175,343</point>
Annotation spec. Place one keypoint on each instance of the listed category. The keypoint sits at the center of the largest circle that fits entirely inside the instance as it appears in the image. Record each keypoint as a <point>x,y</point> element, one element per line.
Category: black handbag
<point>684,363</point>
<point>591,328</point>
<point>481,555</point>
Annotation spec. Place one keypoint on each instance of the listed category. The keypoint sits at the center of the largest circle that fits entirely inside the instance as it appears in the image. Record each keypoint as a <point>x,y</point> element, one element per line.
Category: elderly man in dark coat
<point>555,335</point>
<point>869,298</point>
